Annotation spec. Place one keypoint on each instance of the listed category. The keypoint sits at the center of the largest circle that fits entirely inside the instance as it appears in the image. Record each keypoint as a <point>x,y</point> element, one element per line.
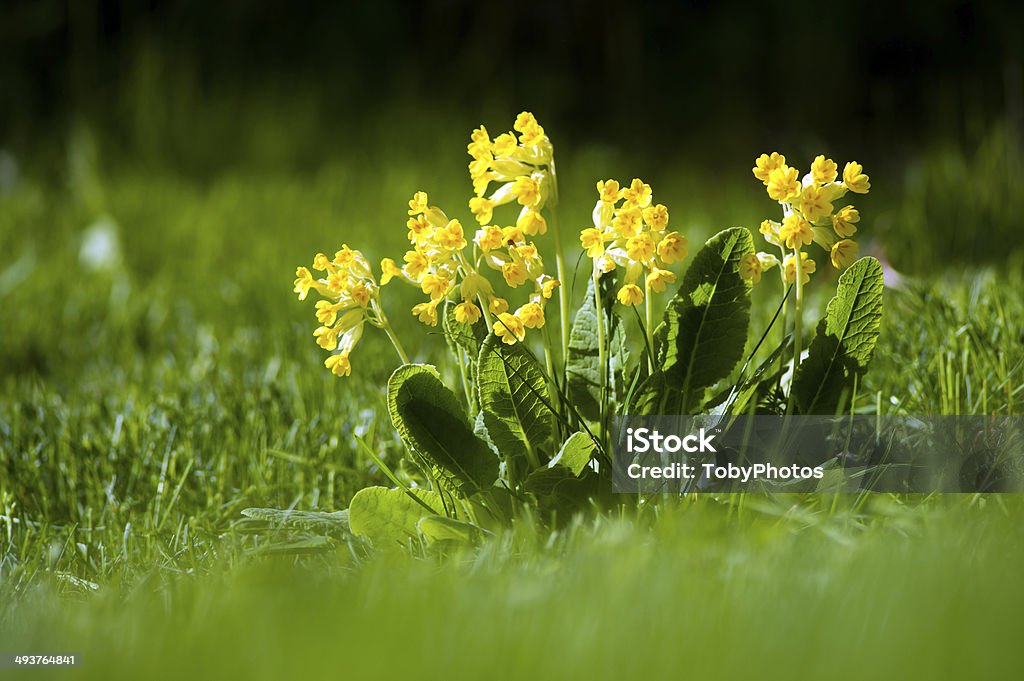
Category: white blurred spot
<point>101,249</point>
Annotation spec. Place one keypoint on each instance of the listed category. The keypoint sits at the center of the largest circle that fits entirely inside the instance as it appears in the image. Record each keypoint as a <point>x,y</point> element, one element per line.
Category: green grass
<point>144,404</point>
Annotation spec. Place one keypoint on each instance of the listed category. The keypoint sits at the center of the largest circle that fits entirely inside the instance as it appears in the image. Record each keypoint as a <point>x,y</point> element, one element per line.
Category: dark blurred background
<point>927,92</point>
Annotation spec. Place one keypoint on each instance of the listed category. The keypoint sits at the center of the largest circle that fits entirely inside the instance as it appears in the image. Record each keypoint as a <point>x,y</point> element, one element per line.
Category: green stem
<point>797,325</point>
<point>602,354</point>
<point>649,322</point>
<point>563,292</point>
<point>392,336</point>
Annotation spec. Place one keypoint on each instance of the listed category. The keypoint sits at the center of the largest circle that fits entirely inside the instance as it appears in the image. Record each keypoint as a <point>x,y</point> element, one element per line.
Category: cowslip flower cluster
<point>631,231</point>
<point>350,300</point>
<point>437,264</point>
<point>523,167</point>
<point>808,215</point>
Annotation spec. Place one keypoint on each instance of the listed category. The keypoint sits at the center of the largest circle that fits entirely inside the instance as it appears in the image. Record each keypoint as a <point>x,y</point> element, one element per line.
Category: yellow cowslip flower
<point>814,203</point>
<point>451,237</point>
<point>783,183</point>
<point>339,365</point>
<point>855,179</point>
<point>531,131</point>
<point>591,239</point>
<point>426,312</point>
<point>630,294</point>
<point>750,268</point>
<point>609,190</point>
<point>418,203</point>
<point>515,273</point>
<point>303,282</point>
<point>638,193</point>
<point>420,229</point>
<point>479,143</point>
<point>628,221</point>
<point>416,264</point>
<point>326,337</point>
<point>532,315</point>
<point>480,182</point>
<point>548,286</point>
<point>528,253</point>
<point>322,263</point>
<point>657,279</point>
<point>388,271</point>
<point>497,305</point>
<point>808,267</point>
<point>795,232</point>
<point>360,294</point>
<point>435,286</point>
<point>532,222</point>
<point>489,238</point>
<point>467,313</point>
<point>509,328</point>
<point>640,247</point>
<point>765,164</point>
<point>527,191</point>
<point>327,312</point>
<point>656,217</point>
<point>482,209</point>
<point>844,253</point>
<point>512,235</point>
<point>504,144</point>
<point>844,222</point>
<point>674,246</point>
<point>823,170</point>
<point>479,166</point>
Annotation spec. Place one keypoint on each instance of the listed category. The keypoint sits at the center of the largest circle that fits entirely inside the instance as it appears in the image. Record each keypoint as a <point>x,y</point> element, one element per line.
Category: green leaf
<point>468,337</point>
<point>433,425</point>
<point>388,517</point>
<point>845,341</point>
<point>576,453</point>
<point>706,325</point>
<point>513,392</point>
<point>336,521</point>
<point>435,528</point>
<point>584,367</point>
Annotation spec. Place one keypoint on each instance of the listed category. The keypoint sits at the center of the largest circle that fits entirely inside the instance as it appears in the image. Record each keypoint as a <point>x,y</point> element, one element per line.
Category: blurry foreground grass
<point>157,377</point>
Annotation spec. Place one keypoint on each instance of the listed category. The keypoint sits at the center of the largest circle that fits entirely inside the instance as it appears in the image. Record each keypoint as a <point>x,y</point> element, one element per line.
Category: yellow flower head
<point>509,328</point>
<point>855,179</point>
<point>388,271</point>
<point>592,241</point>
<point>303,282</point>
<point>656,217</point>
<point>426,312</point>
<point>515,273</point>
<point>823,170</point>
<point>467,313</point>
<point>750,268</point>
<point>641,247</point>
<point>815,203</point>
<point>322,263</point>
<point>415,264</point>
<point>638,193</point>
<point>482,209</point>
<point>451,237</point>
<point>628,221</point>
<point>480,143</point>
<point>609,190</point>
<point>326,337</point>
<point>489,238</point>
<point>844,222</point>
<point>497,305</point>
<point>548,286</point>
<point>360,294</point>
<point>420,229</point>
<point>327,312</point>
<point>844,253</point>
<point>504,144</point>
<point>807,266</point>
<point>630,294</point>
<point>532,315</point>
<point>531,131</point>
<point>527,191</point>
<point>674,246</point>
<point>765,164</point>
<point>783,183</point>
<point>435,286</point>
<point>796,232</point>
<point>532,222</point>
<point>657,279</point>
<point>418,203</point>
<point>339,365</point>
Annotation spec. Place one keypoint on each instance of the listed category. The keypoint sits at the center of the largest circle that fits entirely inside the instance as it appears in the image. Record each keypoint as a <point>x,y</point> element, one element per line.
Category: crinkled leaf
<point>575,454</point>
<point>845,340</point>
<point>436,528</point>
<point>433,425</point>
<point>513,393</point>
<point>389,517</point>
<point>584,367</point>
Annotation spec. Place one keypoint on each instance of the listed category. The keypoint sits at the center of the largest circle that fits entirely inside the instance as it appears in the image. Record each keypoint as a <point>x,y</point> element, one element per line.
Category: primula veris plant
<point>529,434</point>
